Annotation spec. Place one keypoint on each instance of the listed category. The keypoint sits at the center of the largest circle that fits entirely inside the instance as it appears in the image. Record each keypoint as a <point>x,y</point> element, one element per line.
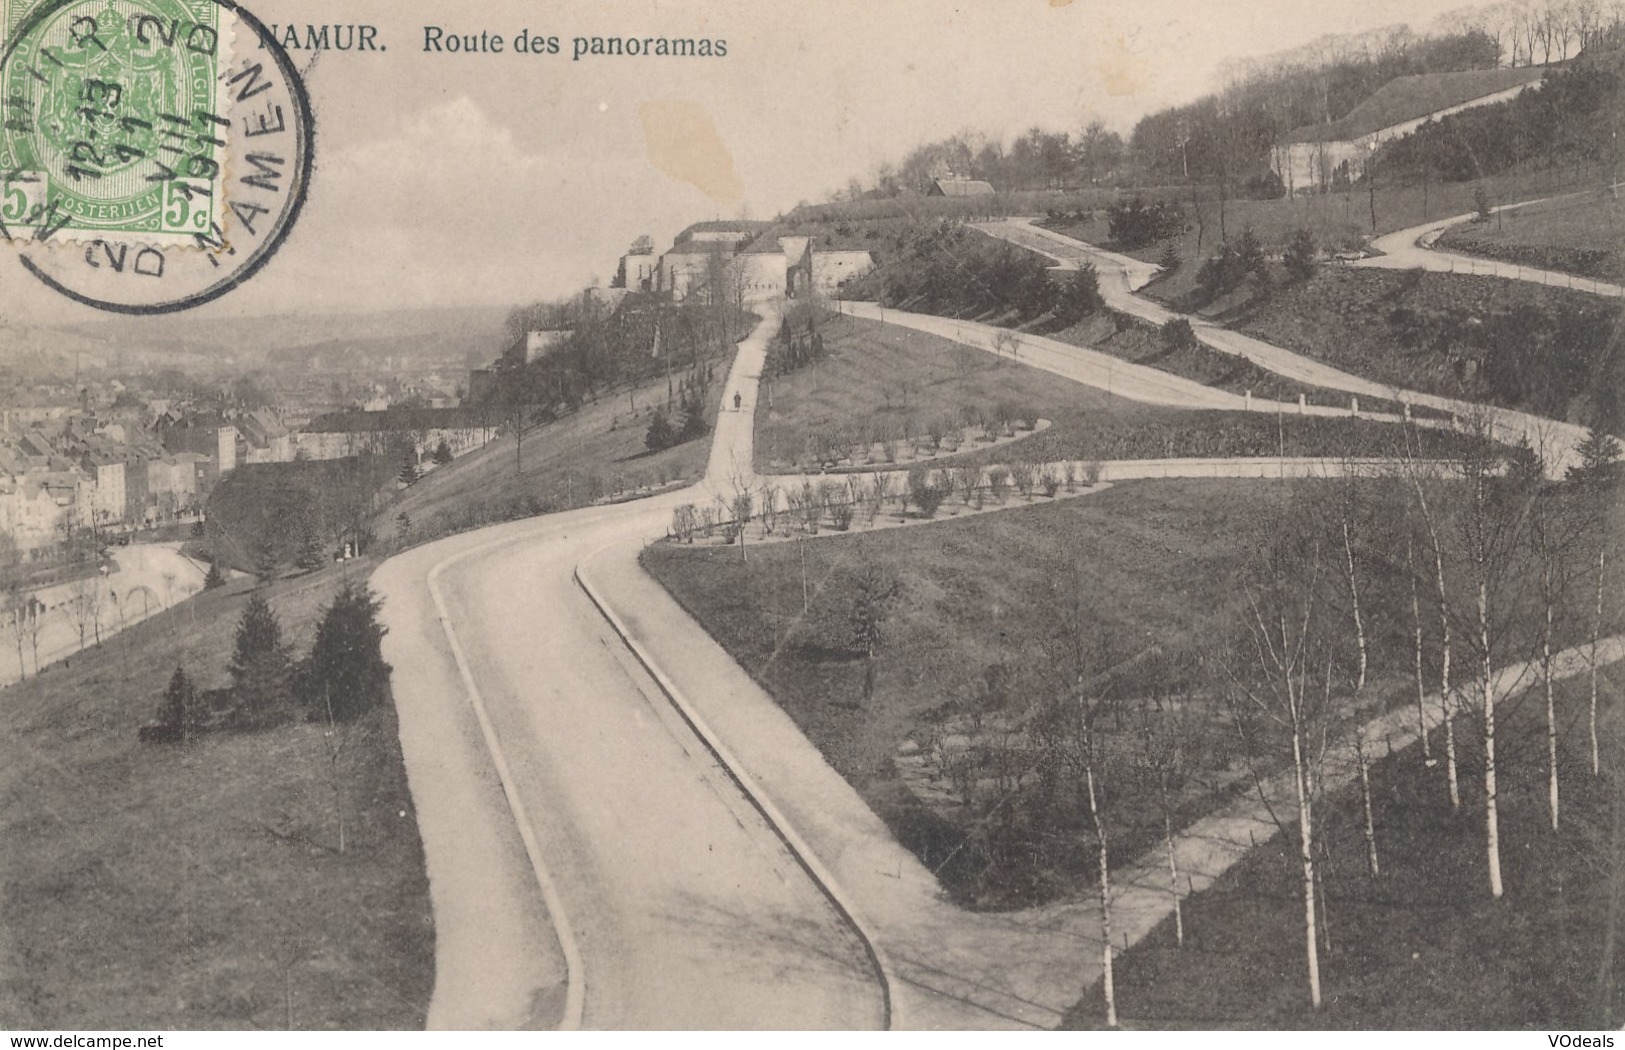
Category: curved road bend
<point>1414,249</point>
<point>1121,275</point>
<point>679,905</point>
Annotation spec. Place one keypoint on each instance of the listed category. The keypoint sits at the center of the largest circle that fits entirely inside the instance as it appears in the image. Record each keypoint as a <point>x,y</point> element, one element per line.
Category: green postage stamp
<point>111,119</point>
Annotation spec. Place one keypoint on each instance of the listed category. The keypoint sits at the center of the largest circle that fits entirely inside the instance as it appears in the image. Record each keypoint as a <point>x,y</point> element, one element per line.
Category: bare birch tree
<point>1432,526</point>
<point>1597,477</point>
<point>1549,536</point>
<point>16,622</point>
<point>1085,696</point>
<point>1490,529</point>
<point>1416,651</point>
<point>1163,764</point>
<point>84,599</point>
<point>1281,678</point>
<point>1350,513</point>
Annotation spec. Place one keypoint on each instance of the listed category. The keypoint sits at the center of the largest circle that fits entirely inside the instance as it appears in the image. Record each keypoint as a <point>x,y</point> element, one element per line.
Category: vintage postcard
<point>710,515</point>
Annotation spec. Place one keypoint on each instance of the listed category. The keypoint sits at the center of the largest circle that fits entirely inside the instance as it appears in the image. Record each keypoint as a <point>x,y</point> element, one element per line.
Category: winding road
<point>1122,276</point>
<point>1415,248</point>
<point>623,831</point>
<point>590,864</point>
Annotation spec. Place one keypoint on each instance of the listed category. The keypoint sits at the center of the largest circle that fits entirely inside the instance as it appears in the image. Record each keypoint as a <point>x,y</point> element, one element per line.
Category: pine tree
<point>312,551</point>
<point>213,578</point>
<point>266,561</point>
<point>261,670</point>
<point>346,666</point>
<point>180,710</point>
<point>1300,256</point>
<point>659,435</point>
<point>1251,252</point>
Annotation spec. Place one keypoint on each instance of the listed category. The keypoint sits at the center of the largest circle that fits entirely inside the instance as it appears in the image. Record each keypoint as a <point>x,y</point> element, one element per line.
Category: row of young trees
<point>1468,584</point>
<point>1438,597</point>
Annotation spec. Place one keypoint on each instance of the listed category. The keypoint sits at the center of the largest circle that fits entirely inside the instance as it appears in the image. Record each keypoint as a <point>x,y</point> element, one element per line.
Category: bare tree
<point>1550,537</point>
<point>336,740</point>
<point>741,507</point>
<point>83,606</point>
<point>1597,476</point>
<point>1490,527</point>
<point>16,623</point>
<point>1432,526</point>
<point>1281,696</point>
<point>1163,762</point>
<point>1416,649</point>
<point>1350,513</point>
<point>35,622</point>
<point>769,510</point>
<point>876,592</point>
<point>1083,697</point>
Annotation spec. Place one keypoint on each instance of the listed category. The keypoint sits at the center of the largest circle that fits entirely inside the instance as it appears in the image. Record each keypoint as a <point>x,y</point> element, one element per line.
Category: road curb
<point>574,972</point>
<point>799,849</point>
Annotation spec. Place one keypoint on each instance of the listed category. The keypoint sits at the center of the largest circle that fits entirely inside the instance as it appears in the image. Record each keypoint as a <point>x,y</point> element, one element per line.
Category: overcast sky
<point>504,178</point>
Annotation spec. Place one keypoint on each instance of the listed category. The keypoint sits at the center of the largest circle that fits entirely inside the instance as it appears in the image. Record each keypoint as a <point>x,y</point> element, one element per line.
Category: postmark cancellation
<point>153,153</point>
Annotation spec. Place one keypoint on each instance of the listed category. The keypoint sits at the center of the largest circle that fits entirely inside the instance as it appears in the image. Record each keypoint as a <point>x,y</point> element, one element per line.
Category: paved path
<point>951,968</point>
<point>1121,276</point>
<point>147,578</point>
<point>1104,371</point>
<point>1415,249</point>
<point>623,831</point>
<point>590,864</point>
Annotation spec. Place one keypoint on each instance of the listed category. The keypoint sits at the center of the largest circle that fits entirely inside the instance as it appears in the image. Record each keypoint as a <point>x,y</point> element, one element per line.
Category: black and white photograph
<point>722,516</point>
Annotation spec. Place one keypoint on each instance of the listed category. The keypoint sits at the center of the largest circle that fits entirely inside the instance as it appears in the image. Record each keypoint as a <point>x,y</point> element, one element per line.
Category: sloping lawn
<point>198,885</point>
<point>1424,945</point>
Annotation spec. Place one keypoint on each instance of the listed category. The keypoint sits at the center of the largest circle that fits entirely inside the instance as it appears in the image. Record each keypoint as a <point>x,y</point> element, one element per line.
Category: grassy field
<point>977,593</point>
<point>883,382</point>
<point>1424,946</point>
<point>1580,235</point>
<point>595,453</point>
<point>891,383</point>
<point>197,886</point>
<point>1145,576</point>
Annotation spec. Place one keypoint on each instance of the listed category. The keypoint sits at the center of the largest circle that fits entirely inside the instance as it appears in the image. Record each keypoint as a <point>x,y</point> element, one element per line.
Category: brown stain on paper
<point>1123,71</point>
<point>682,141</point>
